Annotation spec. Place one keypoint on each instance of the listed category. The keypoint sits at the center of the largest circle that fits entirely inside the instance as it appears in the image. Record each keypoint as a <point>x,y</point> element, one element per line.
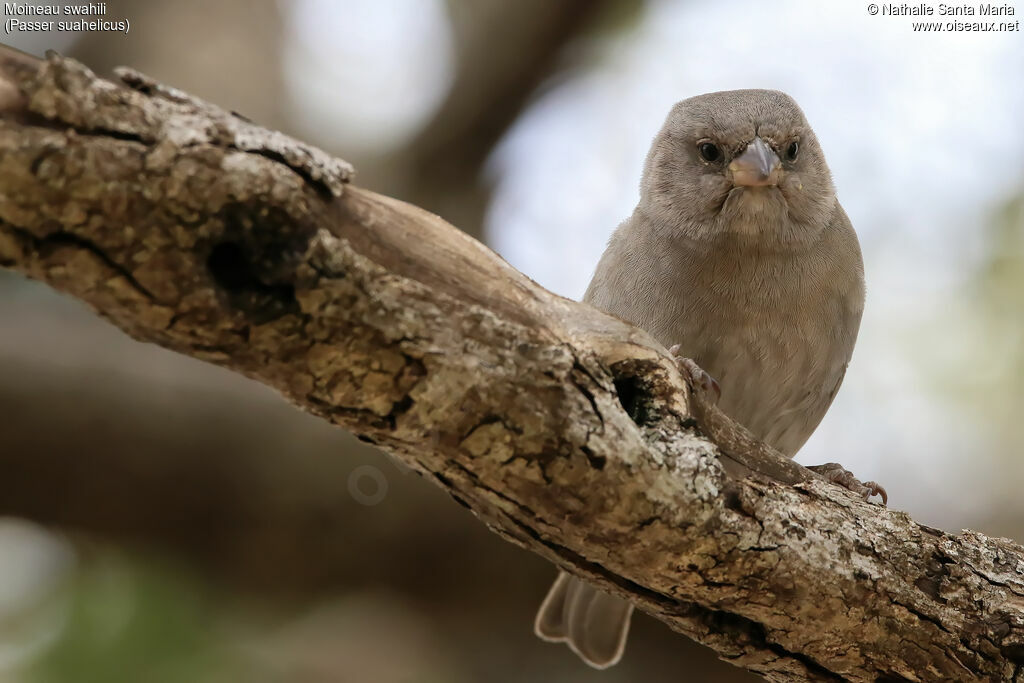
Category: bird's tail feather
<point>592,623</point>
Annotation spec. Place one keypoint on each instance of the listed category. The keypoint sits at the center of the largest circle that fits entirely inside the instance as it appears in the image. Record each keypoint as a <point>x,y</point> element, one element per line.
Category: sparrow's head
<point>739,162</point>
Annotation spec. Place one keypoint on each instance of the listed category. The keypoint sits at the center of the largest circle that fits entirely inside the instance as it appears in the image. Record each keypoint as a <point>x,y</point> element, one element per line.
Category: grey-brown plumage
<point>739,252</point>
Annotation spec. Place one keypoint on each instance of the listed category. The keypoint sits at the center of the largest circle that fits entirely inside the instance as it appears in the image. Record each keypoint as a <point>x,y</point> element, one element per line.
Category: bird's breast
<point>769,331</point>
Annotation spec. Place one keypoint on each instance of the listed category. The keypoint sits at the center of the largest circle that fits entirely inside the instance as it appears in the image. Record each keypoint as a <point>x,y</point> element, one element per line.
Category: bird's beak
<point>758,166</point>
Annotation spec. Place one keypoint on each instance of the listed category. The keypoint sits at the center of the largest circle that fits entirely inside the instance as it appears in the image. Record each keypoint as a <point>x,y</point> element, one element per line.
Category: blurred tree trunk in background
<point>228,50</point>
<point>504,52</point>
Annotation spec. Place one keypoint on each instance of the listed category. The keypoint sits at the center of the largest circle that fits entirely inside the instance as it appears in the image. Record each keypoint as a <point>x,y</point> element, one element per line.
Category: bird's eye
<point>709,151</point>
<point>793,150</point>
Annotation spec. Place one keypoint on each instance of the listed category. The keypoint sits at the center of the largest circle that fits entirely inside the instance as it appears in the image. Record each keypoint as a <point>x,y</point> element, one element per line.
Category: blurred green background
<point>164,520</point>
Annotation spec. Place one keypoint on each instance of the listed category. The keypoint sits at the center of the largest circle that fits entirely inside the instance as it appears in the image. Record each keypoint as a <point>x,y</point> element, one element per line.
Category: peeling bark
<point>565,430</point>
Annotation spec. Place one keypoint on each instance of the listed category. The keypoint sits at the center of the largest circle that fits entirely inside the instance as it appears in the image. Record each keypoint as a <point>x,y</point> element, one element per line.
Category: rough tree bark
<point>565,430</point>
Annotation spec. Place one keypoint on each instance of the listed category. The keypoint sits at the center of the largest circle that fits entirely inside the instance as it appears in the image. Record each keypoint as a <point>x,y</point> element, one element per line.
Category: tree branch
<point>567,431</point>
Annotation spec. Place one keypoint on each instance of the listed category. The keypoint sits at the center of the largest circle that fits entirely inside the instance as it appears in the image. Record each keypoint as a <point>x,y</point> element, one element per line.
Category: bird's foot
<point>700,380</point>
<point>837,474</point>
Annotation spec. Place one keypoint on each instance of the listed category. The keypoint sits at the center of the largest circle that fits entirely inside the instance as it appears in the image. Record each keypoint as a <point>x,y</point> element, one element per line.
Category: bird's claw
<point>698,377</point>
<point>837,474</point>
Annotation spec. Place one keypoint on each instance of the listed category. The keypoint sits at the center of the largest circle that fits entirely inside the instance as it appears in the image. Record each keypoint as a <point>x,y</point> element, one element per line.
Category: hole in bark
<point>642,390</point>
<point>233,271</point>
<point>731,498</point>
<point>230,268</point>
<point>633,398</point>
<point>257,257</point>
